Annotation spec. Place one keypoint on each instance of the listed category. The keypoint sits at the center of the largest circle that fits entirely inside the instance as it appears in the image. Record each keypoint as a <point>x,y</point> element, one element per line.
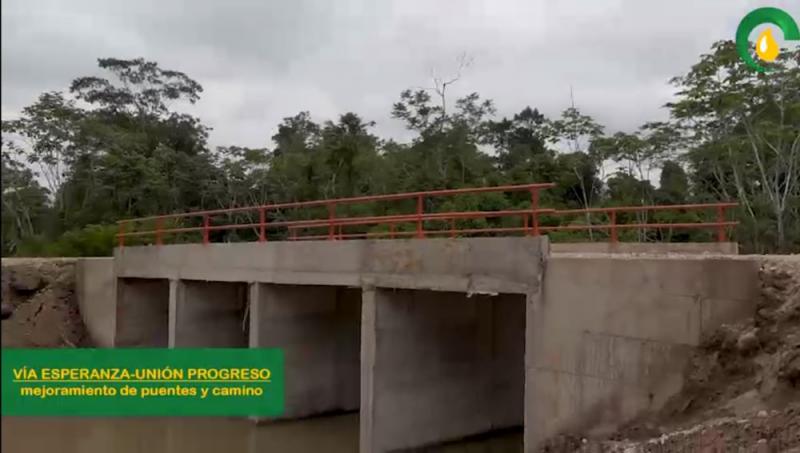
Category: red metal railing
<point>333,227</point>
<point>613,227</point>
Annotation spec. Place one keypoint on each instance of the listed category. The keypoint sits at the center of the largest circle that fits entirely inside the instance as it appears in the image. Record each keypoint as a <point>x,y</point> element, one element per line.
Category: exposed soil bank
<point>39,296</point>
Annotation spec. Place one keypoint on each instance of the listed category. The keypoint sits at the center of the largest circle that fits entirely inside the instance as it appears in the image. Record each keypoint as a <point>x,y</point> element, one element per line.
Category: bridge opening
<point>211,314</point>
<point>445,366</point>
<point>142,313</point>
<point>319,329</point>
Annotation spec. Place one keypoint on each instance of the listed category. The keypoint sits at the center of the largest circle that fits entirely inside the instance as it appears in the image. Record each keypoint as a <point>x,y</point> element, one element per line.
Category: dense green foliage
<point>115,148</point>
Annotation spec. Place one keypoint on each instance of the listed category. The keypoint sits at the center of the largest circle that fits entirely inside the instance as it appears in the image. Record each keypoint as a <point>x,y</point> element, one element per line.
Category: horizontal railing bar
<point>647,208</point>
<point>636,225</point>
<point>411,233</point>
<point>349,200</point>
<point>412,218</point>
<point>345,221</point>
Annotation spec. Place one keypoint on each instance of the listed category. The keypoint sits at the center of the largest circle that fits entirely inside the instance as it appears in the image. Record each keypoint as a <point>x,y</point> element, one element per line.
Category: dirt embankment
<point>40,309</point>
<point>741,390</point>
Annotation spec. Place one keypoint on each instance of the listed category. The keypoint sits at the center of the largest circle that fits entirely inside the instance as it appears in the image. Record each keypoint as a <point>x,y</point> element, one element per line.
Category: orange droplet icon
<point>766,47</point>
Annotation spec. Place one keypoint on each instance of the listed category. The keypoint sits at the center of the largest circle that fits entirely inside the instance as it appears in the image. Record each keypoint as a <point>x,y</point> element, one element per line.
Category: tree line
<point>115,147</point>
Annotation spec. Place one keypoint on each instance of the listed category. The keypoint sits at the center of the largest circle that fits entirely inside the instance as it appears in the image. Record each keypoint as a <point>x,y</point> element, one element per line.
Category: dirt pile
<point>39,296</point>
<point>742,387</point>
<point>752,365</point>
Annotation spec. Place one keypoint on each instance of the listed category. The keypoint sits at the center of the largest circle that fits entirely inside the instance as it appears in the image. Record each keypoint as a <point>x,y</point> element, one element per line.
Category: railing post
<point>614,238</point>
<point>262,222</point>
<point>331,216</point>
<point>121,235</point>
<point>293,233</point>
<point>205,228</point>
<point>420,231</point>
<point>158,230</point>
<point>391,230</point>
<point>721,237</point>
<point>452,228</point>
<point>534,211</point>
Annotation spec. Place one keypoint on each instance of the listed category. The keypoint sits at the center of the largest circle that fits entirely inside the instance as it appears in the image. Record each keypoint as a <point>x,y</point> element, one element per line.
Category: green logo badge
<point>767,48</point>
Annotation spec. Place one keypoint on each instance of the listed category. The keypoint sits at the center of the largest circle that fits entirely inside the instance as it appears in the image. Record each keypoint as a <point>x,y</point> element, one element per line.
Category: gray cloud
<point>261,61</point>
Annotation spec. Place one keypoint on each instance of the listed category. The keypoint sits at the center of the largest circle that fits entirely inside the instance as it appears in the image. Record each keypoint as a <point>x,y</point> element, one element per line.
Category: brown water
<point>335,434</point>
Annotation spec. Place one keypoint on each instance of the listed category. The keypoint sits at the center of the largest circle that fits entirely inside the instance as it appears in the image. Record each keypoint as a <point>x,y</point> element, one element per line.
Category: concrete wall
<point>684,248</point>
<point>142,313</point>
<point>610,337</point>
<point>318,328</point>
<point>439,366</point>
<point>209,314</point>
<point>95,290</point>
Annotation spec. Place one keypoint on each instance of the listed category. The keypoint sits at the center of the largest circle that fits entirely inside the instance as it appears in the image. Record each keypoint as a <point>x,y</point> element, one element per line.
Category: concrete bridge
<point>433,340</point>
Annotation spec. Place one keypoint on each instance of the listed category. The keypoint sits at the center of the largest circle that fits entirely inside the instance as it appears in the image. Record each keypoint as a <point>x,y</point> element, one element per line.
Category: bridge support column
<point>318,328</point>
<point>439,366</point>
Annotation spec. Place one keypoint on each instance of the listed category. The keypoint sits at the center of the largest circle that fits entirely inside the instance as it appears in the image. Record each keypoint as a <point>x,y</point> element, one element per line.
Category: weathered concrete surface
<point>611,336</point>
<point>490,265</point>
<point>142,313</point>
<point>95,287</point>
<point>439,366</point>
<point>209,314</point>
<point>682,248</point>
<point>318,328</point>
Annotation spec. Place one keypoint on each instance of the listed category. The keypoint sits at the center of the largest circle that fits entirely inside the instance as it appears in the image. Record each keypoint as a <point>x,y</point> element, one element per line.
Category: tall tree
<point>45,136</point>
<point>138,156</point>
<point>577,131</point>
<point>744,136</point>
<point>25,204</point>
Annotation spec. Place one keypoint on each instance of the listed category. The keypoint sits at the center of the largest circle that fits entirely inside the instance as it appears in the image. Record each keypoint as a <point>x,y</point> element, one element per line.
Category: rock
<point>748,342</point>
<point>790,367</point>
<point>746,403</point>
<point>7,310</point>
<point>26,280</point>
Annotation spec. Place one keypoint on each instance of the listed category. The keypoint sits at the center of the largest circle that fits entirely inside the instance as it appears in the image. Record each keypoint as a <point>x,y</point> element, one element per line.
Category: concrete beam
<point>475,265</point>
<point>657,248</point>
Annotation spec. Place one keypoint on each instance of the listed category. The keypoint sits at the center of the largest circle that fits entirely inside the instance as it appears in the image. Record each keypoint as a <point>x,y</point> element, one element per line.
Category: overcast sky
<point>260,61</point>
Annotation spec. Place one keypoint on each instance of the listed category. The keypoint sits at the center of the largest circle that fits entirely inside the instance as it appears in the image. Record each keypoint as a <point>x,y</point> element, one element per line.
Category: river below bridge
<point>333,434</point>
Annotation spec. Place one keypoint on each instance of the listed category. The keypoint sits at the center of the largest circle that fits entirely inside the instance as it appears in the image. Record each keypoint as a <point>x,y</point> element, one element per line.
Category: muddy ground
<point>39,296</point>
